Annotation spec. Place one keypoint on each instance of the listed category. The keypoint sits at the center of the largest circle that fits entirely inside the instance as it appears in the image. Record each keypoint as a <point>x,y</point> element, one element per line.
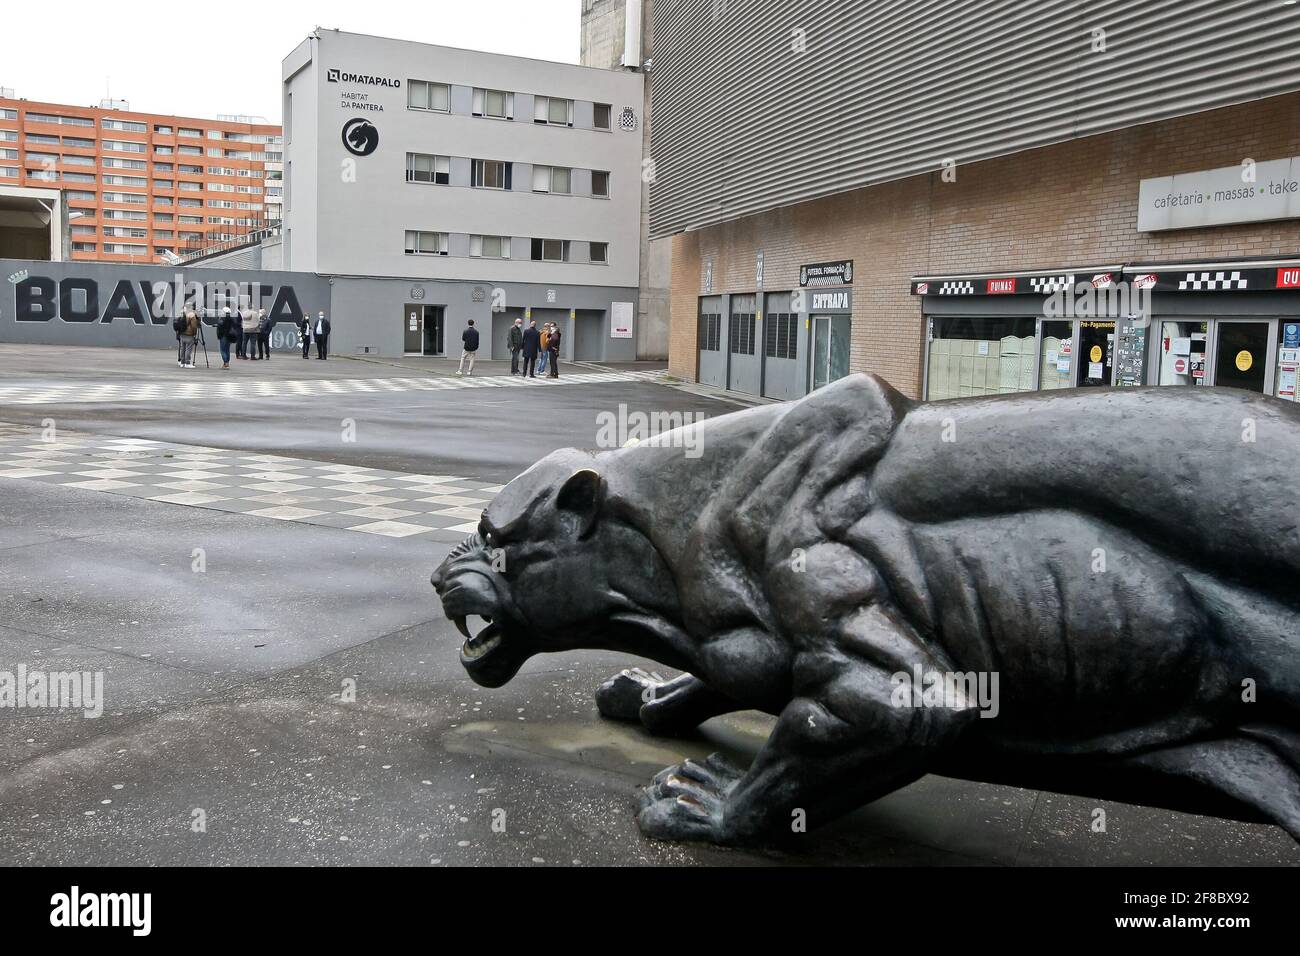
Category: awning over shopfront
<point>1256,275</point>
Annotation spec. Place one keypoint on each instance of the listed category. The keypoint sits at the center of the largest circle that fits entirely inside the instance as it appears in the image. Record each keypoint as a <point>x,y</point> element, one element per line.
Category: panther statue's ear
<point>583,494</point>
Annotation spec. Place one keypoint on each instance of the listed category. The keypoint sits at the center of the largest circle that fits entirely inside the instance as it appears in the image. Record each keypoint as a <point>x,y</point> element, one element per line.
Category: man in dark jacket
<point>225,336</point>
<point>532,343</point>
<point>263,334</point>
<point>320,330</point>
<point>515,341</point>
<point>553,346</point>
<point>469,348</point>
<point>304,333</point>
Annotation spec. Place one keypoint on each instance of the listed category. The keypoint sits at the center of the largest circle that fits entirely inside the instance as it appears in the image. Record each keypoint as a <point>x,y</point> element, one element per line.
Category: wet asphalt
<point>300,699</point>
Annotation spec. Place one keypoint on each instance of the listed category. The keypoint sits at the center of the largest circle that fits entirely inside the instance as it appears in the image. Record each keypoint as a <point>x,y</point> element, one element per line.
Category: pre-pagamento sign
<point>1247,193</point>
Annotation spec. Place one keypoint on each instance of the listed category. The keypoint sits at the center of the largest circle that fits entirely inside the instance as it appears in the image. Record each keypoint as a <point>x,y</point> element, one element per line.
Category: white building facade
<point>440,185</point>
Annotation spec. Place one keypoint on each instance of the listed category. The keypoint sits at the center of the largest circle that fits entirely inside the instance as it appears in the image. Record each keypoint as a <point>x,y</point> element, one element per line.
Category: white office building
<point>439,185</point>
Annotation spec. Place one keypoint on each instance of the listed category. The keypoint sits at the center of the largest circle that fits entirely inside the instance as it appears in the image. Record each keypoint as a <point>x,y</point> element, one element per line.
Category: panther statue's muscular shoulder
<point>1084,591</point>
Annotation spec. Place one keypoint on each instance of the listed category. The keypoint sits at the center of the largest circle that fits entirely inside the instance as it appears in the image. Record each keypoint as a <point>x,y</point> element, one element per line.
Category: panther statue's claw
<point>621,697</point>
<point>688,802</point>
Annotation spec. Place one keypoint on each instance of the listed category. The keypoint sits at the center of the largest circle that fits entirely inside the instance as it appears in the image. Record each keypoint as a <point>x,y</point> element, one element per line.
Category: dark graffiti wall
<point>88,303</point>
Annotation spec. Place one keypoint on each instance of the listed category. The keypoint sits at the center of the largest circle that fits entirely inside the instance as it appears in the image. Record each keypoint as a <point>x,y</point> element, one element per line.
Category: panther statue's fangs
<point>1119,566</point>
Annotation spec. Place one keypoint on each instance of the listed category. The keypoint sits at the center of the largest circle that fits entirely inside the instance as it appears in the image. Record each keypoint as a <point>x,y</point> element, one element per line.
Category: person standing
<point>553,343</point>
<point>248,322</point>
<point>321,332</point>
<point>469,348</point>
<point>542,348</point>
<point>515,340</point>
<point>531,344</point>
<point>189,333</point>
<point>263,334</point>
<point>225,335</point>
<point>304,333</point>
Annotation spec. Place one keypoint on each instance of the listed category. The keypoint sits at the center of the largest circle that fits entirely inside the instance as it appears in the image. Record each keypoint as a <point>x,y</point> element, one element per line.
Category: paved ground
<point>276,665</point>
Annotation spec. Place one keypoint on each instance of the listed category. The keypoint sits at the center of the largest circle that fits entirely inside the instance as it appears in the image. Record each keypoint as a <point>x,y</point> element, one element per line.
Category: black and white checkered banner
<point>1196,279</point>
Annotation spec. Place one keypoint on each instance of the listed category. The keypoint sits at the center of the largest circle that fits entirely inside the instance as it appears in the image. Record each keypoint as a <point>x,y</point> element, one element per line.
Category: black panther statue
<point>1089,591</point>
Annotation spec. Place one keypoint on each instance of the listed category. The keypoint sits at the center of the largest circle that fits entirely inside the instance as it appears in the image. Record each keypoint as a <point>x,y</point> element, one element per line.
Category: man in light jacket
<point>248,322</point>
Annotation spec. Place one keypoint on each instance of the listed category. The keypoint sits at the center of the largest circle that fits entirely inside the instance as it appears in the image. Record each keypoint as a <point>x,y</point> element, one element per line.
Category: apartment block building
<point>455,185</point>
<point>141,187</point>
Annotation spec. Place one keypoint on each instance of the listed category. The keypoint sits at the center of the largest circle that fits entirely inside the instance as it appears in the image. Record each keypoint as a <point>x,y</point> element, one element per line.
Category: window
<point>164,184</point>
<point>600,116</point>
<point>552,111</point>
<point>123,146</point>
<point>189,187</point>
<point>79,195</point>
<point>110,180</point>
<point>494,103</point>
<point>980,355</point>
<point>599,252</point>
<point>425,168</point>
<point>58,120</point>
<point>72,160</point>
<point>163,167</point>
<point>163,130</point>
<point>191,203</point>
<point>742,325</point>
<point>599,184</point>
<point>552,179</point>
<point>40,139</point>
<point>124,126</point>
<point>490,247</point>
<point>423,95</point>
<point>492,174</point>
<point>426,243</point>
<point>163,217</point>
<point>191,150</point>
<point>11,136</point>
<point>83,230</point>
<point>8,172</point>
<point>192,170</point>
<point>550,250</point>
<point>112,162</point>
<point>8,154</point>
<point>83,247</point>
<point>192,220</point>
<point>8,114</point>
<point>124,248</point>
<point>79,177</point>
<point>781,328</point>
<point>76,142</point>
<point>196,134</point>
<point>710,333</point>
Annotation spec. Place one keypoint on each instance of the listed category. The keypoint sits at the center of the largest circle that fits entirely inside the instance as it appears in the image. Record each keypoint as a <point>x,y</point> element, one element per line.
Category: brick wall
<point>1074,204</point>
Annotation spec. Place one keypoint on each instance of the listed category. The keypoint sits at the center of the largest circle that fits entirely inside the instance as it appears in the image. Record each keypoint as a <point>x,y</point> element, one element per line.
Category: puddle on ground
<point>613,746</point>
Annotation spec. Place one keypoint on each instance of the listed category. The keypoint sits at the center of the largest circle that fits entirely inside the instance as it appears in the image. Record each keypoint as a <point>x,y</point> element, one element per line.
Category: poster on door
<point>620,320</point>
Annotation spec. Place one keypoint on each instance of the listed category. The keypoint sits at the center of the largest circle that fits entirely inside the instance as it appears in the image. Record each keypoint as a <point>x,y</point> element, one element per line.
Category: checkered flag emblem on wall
<point>1049,284</point>
<point>1212,282</point>
<point>957,288</point>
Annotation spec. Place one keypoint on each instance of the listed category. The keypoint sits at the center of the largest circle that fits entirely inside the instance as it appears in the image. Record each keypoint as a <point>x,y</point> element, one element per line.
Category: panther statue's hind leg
<point>666,707</point>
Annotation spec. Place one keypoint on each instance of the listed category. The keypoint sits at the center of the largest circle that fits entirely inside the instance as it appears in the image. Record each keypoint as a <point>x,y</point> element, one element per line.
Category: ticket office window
<point>1287,376</point>
<point>981,355</point>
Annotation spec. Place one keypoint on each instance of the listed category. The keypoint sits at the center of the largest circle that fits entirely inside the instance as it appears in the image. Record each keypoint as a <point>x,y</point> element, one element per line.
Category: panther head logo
<point>360,137</point>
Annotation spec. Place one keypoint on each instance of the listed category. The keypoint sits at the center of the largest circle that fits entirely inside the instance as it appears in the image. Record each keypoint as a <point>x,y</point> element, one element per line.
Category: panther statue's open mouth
<point>469,588</point>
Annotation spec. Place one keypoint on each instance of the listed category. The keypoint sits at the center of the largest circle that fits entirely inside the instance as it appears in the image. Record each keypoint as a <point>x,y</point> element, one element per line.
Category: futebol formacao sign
<point>82,303</point>
<point>1250,192</point>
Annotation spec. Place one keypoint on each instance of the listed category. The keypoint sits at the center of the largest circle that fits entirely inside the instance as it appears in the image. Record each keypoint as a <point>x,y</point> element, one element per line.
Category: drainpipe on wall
<point>632,35</point>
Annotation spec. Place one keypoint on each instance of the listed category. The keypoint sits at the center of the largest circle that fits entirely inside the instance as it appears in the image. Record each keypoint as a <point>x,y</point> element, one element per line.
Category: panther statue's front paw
<point>687,802</point>
<point>621,697</point>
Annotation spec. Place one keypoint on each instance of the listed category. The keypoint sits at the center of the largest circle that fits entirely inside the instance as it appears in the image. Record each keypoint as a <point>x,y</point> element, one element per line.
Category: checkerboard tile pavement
<point>80,393</point>
<point>369,500</point>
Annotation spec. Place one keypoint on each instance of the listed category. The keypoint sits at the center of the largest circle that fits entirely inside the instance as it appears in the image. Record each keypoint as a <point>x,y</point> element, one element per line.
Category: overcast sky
<point>204,58</point>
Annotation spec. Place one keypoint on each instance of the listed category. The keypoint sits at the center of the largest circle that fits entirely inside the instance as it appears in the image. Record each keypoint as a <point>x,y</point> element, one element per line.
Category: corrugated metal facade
<point>743,122</point>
